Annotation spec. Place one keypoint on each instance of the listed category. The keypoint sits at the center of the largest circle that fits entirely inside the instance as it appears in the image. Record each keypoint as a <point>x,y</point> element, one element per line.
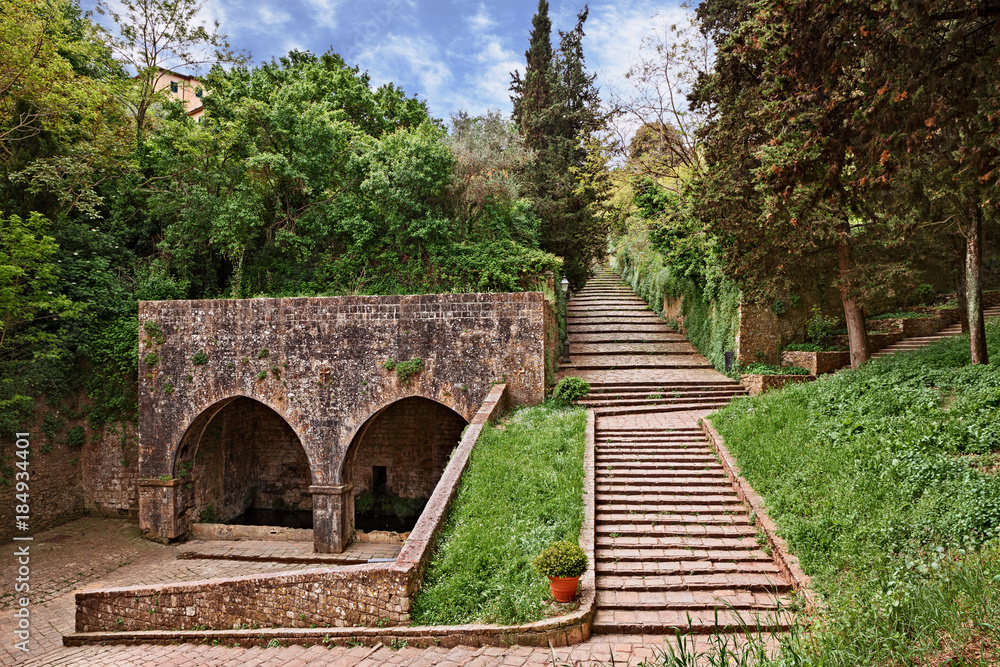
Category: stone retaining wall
<point>759,384</point>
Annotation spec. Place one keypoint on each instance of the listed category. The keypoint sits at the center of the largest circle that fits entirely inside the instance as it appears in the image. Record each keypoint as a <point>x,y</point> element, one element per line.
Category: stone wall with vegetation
<point>708,316</point>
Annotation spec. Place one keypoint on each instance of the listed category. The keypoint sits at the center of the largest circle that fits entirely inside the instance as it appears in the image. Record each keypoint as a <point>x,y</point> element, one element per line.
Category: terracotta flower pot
<point>564,588</point>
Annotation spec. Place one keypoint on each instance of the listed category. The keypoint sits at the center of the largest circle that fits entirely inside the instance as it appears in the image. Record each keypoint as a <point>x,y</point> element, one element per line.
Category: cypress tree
<point>556,109</point>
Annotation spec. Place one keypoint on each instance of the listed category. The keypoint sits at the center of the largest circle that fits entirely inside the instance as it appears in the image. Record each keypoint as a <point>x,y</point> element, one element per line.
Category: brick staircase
<point>675,547</point>
<point>917,342</point>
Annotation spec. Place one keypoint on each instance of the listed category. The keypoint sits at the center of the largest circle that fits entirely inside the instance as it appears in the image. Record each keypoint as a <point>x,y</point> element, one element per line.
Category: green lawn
<point>522,490</point>
<point>884,482</point>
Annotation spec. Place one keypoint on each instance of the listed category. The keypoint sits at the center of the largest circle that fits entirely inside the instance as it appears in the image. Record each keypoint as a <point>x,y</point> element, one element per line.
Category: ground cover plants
<point>522,491</point>
<point>884,482</point>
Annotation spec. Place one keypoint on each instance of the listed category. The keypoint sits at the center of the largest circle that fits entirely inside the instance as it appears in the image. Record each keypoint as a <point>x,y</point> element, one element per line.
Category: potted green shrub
<point>563,563</point>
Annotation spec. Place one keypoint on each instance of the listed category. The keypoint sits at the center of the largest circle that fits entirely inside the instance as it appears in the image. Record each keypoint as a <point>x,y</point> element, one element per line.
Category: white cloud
<point>615,33</point>
<point>400,57</point>
<point>481,21</point>
<point>324,12</point>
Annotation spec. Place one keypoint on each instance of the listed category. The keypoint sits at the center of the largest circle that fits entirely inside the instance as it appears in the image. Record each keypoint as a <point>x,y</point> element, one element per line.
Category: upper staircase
<point>675,547</point>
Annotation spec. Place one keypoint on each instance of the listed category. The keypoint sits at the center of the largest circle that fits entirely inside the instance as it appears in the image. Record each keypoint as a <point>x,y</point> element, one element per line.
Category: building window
<point>197,92</point>
<point>173,86</point>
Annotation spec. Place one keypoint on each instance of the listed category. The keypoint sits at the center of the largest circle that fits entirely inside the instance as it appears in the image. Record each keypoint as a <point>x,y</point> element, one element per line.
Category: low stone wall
<point>759,384</point>
<point>562,630</point>
<point>355,595</point>
<point>227,531</point>
<point>784,559</point>
<point>817,363</point>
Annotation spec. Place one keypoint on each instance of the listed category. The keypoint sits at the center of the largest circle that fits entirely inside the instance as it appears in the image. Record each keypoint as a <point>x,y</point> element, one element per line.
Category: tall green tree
<point>557,108</point>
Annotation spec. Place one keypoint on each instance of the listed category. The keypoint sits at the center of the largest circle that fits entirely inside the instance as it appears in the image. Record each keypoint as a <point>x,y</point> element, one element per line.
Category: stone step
<point>623,338</point>
<point>651,443</point>
<point>707,517</point>
<point>649,458</point>
<point>619,327</point>
<point>772,583</point>
<point>721,598</point>
<point>674,390</point>
<point>715,507</point>
<point>710,400</point>
<point>665,499</point>
<point>652,554</point>
<point>621,531</point>
<point>699,621</point>
<point>694,542</point>
<point>660,385</point>
<point>649,473</point>
<point>637,568</point>
<point>635,361</point>
<point>690,484</point>
<point>645,409</point>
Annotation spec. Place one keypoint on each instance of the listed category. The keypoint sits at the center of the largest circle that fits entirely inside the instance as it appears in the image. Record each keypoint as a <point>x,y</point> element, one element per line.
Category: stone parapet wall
<point>817,363</point>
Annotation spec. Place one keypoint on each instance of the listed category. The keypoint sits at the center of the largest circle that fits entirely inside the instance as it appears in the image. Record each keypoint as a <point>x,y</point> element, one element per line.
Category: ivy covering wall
<point>709,312</point>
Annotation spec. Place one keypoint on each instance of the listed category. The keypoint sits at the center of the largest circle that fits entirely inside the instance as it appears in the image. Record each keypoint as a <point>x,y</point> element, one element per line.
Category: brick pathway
<point>675,547</point>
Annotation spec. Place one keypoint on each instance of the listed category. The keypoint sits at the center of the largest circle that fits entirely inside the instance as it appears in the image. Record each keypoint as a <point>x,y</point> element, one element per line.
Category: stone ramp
<point>675,546</point>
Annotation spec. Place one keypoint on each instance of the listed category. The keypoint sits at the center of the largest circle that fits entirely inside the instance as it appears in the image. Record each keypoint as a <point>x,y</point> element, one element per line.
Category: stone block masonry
<point>355,595</point>
<point>318,363</point>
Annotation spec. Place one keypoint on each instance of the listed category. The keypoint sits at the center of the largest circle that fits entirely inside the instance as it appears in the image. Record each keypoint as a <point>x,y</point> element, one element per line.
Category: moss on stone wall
<point>708,315</point>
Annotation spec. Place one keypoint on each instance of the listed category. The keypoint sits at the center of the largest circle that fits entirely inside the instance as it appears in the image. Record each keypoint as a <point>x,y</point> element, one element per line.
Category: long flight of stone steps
<point>675,547</point>
<point>917,342</point>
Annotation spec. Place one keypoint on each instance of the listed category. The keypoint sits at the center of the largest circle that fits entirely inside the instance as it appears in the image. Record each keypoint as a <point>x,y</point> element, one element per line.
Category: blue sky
<point>454,55</point>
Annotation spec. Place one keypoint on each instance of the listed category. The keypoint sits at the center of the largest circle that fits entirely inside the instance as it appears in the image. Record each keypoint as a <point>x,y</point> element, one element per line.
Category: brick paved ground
<point>100,553</point>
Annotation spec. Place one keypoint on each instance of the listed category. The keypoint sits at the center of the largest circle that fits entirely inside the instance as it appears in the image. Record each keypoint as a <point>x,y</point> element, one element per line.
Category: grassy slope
<point>522,490</point>
<point>879,480</point>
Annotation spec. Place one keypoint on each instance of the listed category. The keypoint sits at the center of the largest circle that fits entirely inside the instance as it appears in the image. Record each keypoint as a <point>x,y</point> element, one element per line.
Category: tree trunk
<point>974,288</point>
<point>963,304</point>
<point>857,331</point>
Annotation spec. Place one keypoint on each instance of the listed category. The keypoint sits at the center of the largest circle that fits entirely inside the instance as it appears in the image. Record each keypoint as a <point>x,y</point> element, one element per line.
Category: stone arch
<point>240,454</point>
<point>401,451</point>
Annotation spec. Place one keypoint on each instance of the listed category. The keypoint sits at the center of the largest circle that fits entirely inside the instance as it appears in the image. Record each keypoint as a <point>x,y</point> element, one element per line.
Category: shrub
<point>562,559</point>
<point>75,437</point>
<point>200,358</point>
<point>407,369</point>
<point>820,329</point>
<point>570,389</point>
<point>263,353</point>
<point>151,359</point>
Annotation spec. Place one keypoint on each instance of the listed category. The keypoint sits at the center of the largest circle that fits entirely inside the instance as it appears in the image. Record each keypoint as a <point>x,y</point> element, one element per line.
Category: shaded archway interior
<point>241,462</point>
<point>397,458</point>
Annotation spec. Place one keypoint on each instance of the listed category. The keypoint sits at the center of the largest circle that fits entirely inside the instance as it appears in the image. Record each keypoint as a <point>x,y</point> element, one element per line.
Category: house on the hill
<point>183,87</point>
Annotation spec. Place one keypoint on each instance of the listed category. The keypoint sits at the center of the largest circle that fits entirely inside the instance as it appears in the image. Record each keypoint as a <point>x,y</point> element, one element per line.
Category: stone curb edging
<point>788,563</point>
<point>563,630</point>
